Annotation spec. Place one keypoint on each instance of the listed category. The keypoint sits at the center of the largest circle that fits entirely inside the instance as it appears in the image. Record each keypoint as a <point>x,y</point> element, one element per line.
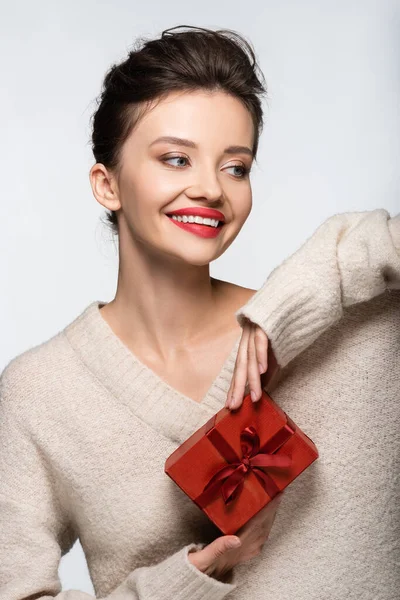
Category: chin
<point>195,259</point>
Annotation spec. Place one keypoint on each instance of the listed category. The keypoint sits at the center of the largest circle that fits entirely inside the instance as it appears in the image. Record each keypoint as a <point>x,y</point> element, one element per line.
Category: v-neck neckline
<point>134,383</point>
<point>209,393</point>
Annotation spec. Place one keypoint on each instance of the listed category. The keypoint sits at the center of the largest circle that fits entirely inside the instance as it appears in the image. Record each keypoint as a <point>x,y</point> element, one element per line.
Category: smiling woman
<point>88,417</point>
<point>210,175</point>
<point>183,71</point>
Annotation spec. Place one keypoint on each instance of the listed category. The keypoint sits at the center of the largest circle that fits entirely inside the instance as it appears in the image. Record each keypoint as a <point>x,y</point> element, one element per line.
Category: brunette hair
<point>177,61</point>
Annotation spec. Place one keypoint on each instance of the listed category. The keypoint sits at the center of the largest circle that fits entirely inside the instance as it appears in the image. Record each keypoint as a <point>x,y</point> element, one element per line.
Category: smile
<point>203,227</point>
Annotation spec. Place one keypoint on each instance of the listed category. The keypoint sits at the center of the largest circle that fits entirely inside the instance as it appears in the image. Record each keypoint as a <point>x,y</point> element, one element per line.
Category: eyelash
<point>245,170</point>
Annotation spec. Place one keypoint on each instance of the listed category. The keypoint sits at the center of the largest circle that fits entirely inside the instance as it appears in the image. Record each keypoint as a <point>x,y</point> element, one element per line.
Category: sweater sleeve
<point>35,532</point>
<point>350,258</point>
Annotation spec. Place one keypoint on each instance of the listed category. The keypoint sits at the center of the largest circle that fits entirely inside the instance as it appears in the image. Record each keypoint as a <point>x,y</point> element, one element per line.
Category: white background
<point>330,144</point>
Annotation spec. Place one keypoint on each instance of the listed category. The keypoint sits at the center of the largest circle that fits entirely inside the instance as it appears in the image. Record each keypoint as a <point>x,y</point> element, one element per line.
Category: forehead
<point>202,116</point>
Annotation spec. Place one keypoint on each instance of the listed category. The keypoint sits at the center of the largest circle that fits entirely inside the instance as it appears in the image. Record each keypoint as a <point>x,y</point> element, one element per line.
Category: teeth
<point>196,219</point>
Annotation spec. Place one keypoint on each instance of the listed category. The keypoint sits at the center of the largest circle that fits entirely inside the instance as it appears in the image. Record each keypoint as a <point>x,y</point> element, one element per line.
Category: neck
<point>163,306</point>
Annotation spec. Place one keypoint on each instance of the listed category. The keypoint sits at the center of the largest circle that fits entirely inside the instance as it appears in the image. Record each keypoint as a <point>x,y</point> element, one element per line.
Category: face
<point>209,171</point>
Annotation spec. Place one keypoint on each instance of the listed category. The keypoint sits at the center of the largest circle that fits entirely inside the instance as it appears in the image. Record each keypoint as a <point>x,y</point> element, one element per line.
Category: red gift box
<point>234,464</point>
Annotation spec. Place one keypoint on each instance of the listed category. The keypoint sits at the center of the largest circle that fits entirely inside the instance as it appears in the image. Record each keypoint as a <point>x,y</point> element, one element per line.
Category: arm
<point>35,532</point>
<point>352,257</point>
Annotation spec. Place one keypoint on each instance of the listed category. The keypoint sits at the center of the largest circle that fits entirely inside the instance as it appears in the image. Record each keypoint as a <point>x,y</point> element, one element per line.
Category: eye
<point>244,170</point>
<point>175,158</point>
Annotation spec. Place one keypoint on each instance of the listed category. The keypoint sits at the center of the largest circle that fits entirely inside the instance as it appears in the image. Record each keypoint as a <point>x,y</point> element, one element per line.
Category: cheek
<point>161,177</point>
<point>143,201</point>
<point>155,188</point>
<point>242,206</point>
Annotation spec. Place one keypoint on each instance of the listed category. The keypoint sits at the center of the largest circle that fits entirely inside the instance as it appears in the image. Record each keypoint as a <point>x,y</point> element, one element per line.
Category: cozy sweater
<point>85,429</point>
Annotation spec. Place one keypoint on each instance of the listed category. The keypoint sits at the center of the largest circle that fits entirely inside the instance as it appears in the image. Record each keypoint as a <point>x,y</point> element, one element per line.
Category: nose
<point>207,186</point>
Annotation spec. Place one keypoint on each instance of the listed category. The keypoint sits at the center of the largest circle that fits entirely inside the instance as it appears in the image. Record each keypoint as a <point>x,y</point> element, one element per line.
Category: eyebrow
<point>184,142</point>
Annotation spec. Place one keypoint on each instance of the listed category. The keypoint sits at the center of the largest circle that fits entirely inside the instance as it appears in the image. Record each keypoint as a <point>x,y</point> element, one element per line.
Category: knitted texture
<point>85,429</point>
<point>351,258</point>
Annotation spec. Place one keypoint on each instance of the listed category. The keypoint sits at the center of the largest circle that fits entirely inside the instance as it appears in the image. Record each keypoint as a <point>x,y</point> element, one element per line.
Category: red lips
<point>209,213</point>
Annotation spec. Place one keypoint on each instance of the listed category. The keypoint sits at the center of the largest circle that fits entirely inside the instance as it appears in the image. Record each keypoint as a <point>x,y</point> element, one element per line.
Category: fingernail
<point>253,395</point>
<point>261,368</point>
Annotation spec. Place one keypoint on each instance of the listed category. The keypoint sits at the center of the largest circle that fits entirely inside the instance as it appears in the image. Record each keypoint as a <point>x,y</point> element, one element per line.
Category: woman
<point>89,417</point>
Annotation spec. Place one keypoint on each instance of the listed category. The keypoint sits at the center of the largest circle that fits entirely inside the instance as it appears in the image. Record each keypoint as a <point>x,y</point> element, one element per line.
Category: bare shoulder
<point>233,296</point>
<point>244,294</point>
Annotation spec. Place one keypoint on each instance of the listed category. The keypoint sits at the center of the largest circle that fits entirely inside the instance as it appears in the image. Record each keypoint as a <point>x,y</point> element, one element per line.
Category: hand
<point>219,557</point>
<point>251,362</point>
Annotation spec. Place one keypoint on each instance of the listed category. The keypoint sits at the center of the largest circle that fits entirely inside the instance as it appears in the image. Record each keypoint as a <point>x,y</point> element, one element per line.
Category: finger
<point>205,558</point>
<point>241,371</point>
<point>242,346</point>
<point>261,344</point>
<point>253,371</point>
<point>232,384</point>
<point>243,342</point>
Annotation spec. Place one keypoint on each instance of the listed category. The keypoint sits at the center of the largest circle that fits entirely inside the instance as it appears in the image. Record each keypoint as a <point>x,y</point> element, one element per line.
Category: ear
<point>104,187</point>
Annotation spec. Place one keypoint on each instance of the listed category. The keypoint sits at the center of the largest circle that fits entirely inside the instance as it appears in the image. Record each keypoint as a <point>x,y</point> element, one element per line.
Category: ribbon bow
<point>229,480</point>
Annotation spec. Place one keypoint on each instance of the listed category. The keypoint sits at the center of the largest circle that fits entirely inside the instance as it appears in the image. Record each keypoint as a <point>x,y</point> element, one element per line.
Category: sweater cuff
<point>176,578</point>
<point>292,318</point>
<point>350,258</point>
<point>394,229</point>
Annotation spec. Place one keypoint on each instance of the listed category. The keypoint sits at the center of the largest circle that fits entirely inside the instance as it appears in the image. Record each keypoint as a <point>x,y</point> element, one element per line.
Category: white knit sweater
<point>85,429</point>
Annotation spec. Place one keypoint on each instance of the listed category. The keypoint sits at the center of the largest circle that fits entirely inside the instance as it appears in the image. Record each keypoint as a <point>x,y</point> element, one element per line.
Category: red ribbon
<point>229,480</point>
